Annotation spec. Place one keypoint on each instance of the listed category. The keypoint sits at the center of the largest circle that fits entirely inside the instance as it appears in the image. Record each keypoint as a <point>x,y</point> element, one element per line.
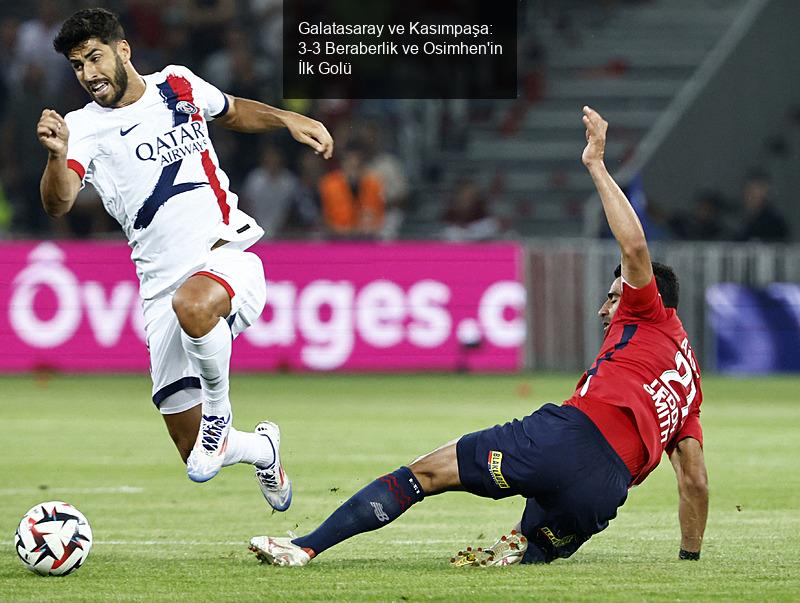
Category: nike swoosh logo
<point>126,132</point>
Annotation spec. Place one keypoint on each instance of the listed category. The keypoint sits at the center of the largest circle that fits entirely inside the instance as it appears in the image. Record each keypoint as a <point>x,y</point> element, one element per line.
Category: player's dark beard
<point>120,84</point>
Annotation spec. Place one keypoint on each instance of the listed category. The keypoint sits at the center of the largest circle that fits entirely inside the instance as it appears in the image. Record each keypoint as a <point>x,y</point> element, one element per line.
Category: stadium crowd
<point>711,216</point>
<point>364,193</point>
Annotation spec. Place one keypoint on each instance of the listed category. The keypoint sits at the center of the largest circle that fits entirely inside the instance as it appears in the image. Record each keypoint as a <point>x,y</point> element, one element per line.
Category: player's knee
<point>438,471</point>
<point>195,315</point>
<point>434,478</point>
<point>425,476</point>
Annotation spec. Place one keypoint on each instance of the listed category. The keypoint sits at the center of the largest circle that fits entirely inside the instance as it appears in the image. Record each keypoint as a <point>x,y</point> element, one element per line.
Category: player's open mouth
<point>99,88</point>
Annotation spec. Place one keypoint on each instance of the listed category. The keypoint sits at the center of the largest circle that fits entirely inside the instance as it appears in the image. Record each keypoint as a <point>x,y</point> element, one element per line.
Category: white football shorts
<point>176,386</point>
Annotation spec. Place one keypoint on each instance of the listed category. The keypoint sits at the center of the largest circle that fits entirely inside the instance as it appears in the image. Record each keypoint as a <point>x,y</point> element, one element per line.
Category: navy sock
<point>372,507</point>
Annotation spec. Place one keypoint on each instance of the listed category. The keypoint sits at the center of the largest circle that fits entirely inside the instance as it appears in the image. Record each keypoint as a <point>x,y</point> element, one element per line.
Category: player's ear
<point>124,50</point>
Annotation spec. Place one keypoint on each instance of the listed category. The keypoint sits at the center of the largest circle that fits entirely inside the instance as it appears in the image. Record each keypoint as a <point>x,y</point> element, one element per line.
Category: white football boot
<point>278,551</point>
<point>508,550</point>
<point>206,458</point>
<point>274,483</point>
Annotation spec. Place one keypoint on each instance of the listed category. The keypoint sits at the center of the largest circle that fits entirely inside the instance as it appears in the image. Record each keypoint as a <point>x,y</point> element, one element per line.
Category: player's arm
<point>253,117</point>
<point>60,185</point>
<point>636,268</point>
<point>690,470</point>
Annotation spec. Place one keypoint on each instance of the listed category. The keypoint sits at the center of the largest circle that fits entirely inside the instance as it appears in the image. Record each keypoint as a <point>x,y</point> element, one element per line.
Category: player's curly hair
<point>666,281</point>
<point>88,23</point>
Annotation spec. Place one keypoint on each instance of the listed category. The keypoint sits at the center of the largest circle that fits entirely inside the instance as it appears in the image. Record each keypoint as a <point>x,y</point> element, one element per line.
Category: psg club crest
<point>186,107</point>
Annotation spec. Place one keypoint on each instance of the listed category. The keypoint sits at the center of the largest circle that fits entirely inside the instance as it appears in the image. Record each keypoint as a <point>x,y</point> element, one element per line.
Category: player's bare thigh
<point>437,471</point>
<point>183,427</point>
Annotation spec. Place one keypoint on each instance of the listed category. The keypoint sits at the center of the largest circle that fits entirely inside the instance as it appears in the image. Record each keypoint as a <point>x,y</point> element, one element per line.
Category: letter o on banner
<point>45,270</point>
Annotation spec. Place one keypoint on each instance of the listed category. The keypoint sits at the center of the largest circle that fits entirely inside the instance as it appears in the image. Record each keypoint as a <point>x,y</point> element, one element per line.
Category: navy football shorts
<point>558,460</point>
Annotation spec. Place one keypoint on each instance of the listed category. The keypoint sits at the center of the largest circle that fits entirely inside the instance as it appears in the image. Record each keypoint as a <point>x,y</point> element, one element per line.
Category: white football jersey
<point>154,167</point>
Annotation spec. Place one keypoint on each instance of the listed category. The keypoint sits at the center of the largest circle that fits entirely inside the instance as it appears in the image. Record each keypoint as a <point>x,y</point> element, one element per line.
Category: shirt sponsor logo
<point>495,463</point>
<point>186,107</point>
<point>174,145</point>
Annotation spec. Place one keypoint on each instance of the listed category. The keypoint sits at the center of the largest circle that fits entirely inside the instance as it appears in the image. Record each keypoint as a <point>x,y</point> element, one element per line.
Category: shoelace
<point>212,431</point>
<point>269,477</point>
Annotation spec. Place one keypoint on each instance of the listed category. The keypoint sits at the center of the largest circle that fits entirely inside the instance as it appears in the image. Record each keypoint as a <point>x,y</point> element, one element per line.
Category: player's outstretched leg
<point>374,506</point>
<point>200,305</point>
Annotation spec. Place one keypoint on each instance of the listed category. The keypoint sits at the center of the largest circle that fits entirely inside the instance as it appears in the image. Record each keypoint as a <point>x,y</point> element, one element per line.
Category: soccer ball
<point>53,539</point>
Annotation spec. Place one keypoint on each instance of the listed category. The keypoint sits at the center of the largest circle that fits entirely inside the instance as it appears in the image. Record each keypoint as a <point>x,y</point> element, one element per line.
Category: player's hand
<point>596,128</point>
<point>311,132</point>
<point>53,133</point>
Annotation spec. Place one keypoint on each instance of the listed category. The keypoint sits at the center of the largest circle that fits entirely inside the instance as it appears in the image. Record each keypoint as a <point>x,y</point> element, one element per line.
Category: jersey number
<point>671,412</point>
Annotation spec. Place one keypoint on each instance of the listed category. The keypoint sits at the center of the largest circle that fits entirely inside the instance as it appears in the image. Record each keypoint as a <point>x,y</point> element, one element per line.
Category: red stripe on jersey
<point>211,173</point>
<point>183,89</point>
<point>217,278</point>
<point>76,167</point>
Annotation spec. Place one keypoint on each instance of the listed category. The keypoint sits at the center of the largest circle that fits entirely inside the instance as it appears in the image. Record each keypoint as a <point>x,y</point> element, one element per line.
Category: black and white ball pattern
<point>53,539</point>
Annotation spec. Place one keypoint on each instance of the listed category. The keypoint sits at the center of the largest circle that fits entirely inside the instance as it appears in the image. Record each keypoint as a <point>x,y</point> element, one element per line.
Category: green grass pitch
<point>97,443</point>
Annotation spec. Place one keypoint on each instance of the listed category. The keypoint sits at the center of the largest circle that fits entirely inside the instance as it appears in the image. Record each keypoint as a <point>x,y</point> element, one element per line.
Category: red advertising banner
<point>330,306</point>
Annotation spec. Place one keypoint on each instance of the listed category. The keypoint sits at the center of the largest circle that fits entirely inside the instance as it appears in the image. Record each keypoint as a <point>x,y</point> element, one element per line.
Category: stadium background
<point>704,108</point>
<point>484,200</point>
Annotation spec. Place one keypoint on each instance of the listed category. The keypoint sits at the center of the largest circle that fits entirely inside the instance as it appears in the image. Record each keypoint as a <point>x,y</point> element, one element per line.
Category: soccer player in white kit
<point>143,143</point>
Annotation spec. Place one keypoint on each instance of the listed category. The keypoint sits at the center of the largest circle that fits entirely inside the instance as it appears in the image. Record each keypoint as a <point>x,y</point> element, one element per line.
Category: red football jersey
<point>647,366</point>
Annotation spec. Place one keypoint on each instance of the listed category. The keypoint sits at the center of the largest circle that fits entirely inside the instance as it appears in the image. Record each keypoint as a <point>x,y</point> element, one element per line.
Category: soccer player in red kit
<point>573,463</point>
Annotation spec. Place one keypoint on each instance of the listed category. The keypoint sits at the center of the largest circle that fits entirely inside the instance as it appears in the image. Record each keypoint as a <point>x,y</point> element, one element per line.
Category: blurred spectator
<point>391,172</point>
<point>8,42</point>
<point>146,31</point>
<point>34,46</point>
<point>656,222</point>
<point>269,192</point>
<point>207,20</point>
<point>352,197</point>
<point>233,68</point>
<point>704,222</point>
<point>4,94</point>
<point>268,14</point>
<point>467,216</point>
<point>175,46</point>
<point>144,19</point>
<point>762,221</point>
<point>22,157</point>
<point>87,218</point>
<point>305,214</point>
<point>6,213</point>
